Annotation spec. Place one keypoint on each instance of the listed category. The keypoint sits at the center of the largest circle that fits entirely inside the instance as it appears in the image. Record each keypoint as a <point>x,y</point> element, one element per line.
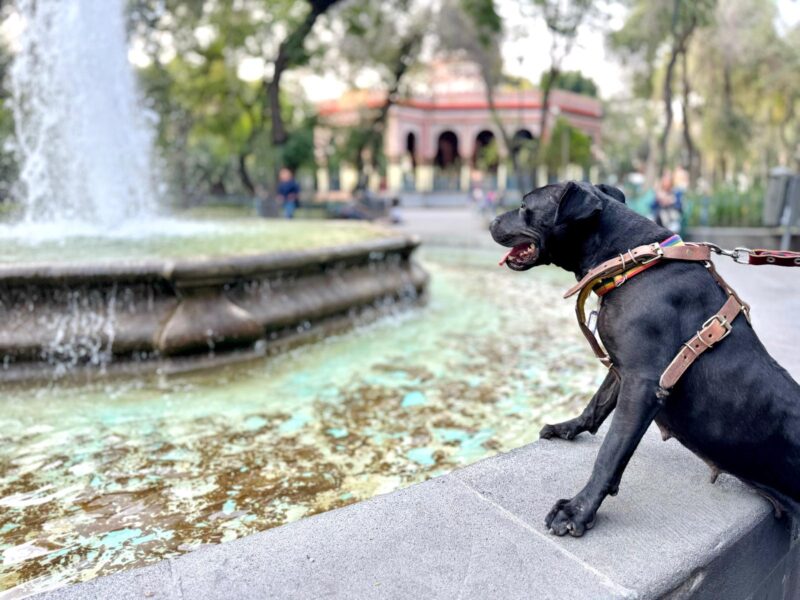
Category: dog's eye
<point>522,207</point>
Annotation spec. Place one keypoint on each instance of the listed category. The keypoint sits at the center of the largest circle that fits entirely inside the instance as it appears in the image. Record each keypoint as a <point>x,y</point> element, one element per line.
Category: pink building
<point>437,137</point>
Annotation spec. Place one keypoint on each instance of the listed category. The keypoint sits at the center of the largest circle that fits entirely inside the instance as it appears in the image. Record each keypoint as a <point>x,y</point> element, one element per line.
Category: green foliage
<point>572,81</point>
<point>299,150</point>
<point>8,163</point>
<point>488,156</point>
<point>213,127</point>
<point>487,22</point>
<point>567,142</point>
<point>725,206</point>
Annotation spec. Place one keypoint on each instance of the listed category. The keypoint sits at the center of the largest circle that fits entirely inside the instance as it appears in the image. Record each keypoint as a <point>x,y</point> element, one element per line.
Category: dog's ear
<point>615,193</point>
<point>578,202</point>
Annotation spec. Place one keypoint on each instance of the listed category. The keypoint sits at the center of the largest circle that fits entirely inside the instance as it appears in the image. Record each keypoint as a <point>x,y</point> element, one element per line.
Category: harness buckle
<point>659,254</point>
<point>722,321</point>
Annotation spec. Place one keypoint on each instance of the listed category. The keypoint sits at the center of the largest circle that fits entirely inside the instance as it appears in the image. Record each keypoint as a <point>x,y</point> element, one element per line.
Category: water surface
<point>94,479</point>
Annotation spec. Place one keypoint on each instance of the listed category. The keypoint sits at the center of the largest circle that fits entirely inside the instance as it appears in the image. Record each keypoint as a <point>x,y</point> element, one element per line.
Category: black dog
<point>735,407</point>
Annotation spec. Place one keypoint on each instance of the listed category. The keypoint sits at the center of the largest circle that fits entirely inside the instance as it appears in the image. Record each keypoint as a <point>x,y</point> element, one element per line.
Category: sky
<point>526,51</point>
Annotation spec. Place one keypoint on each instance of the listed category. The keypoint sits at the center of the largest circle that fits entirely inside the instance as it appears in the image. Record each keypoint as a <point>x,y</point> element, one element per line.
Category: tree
<point>745,80</point>
<point>384,38</point>
<point>571,81</point>
<point>563,19</point>
<point>214,126</point>
<point>291,53</point>
<point>475,28</point>
<point>566,145</point>
<point>655,29</point>
<point>8,163</point>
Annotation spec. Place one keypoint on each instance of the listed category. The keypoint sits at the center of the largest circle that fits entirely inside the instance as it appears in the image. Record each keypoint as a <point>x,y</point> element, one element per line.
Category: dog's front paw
<point>565,431</point>
<point>568,516</point>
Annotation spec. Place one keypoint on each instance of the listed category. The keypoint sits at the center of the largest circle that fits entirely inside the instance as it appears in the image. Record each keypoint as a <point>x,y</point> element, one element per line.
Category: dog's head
<point>538,228</point>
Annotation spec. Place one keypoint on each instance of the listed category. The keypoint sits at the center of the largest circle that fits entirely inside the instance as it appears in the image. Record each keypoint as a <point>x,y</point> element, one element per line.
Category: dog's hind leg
<point>601,405</point>
<point>637,405</point>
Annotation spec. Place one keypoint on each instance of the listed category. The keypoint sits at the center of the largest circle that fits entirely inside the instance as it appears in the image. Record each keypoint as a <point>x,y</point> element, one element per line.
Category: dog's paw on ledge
<point>565,431</point>
<point>568,516</point>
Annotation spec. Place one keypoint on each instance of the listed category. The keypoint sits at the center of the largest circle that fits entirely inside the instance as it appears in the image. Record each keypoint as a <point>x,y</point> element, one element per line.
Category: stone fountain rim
<point>203,269</point>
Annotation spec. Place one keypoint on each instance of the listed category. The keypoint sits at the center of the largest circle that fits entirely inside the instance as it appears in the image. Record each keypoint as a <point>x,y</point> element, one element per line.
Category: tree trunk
<point>378,124</point>
<point>550,82</point>
<point>290,52</point>
<point>244,175</point>
<point>539,143</point>
<point>667,96</point>
<point>508,141</point>
<point>679,42</point>
<point>691,152</point>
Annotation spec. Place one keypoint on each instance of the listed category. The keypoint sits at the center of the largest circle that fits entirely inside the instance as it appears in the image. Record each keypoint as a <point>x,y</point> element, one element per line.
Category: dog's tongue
<point>505,257</point>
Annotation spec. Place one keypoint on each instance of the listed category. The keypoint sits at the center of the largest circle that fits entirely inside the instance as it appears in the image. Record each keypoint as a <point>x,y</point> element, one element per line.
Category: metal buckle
<point>659,254</point>
<point>592,326</point>
<point>722,321</point>
<point>739,255</point>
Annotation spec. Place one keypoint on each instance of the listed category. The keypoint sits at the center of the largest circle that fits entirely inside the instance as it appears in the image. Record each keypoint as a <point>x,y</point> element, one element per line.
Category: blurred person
<point>288,192</point>
<point>476,191</point>
<point>395,215</point>
<point>666,207</point>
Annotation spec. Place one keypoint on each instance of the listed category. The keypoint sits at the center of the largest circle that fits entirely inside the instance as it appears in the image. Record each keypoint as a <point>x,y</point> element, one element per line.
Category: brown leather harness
<point>714,330</point>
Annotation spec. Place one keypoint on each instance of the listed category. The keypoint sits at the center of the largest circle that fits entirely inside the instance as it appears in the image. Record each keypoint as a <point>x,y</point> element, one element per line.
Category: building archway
<point>409,163</point>
<point>523,148</point>
<point>411,147</point>
<point>447,155</point>
<point>447,163</point>
<point>486,156</point>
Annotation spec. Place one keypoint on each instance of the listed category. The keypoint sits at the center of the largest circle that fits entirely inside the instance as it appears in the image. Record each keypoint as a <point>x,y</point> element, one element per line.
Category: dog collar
<point>604,286</point>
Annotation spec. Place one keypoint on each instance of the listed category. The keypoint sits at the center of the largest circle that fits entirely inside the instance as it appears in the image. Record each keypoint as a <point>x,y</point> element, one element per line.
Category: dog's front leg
<point>637,405</point>
<point>601,405</point>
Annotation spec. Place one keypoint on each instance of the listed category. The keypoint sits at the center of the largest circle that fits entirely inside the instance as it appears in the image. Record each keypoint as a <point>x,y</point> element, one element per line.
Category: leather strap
<point>713,330</point>
<point>640,255</point>
<point>778,258</point>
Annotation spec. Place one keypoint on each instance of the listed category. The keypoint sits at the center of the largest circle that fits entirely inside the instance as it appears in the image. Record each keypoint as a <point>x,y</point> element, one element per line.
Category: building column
<point>374,180</point>
<point>348,177</point>
<point>464,177</point>
<point>394,176</point>
<point>424,177</point>
<point>323,180</point>
<point>502,176</point>
<point>541,176</point>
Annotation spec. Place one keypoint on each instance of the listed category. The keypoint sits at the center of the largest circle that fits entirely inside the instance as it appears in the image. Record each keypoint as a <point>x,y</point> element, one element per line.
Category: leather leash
<point>714,330</point>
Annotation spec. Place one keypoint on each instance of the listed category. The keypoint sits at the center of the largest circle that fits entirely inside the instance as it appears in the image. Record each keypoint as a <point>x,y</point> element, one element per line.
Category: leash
<point>616,271</point>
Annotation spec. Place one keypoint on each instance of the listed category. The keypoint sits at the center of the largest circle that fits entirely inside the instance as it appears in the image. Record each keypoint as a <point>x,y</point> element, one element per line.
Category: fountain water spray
<point>85,143</point>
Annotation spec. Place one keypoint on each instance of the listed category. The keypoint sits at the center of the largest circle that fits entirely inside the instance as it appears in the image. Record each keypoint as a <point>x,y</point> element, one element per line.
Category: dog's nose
<point>493,224</point>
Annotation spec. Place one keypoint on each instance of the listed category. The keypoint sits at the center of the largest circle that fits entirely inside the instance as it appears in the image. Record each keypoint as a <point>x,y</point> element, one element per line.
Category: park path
<point>772,292</point>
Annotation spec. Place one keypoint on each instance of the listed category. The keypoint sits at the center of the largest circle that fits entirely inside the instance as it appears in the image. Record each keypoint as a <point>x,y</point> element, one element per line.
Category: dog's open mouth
<point>521,255</point>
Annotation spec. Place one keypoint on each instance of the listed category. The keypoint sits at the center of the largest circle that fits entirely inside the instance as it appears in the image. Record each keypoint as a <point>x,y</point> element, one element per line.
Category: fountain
<point>93,277</point>
<point>85,144</point>
<point>116,472</point>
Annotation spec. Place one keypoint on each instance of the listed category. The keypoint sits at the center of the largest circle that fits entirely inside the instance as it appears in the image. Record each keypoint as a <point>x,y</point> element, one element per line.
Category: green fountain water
<point>94,479</point>
<point>189,239</point>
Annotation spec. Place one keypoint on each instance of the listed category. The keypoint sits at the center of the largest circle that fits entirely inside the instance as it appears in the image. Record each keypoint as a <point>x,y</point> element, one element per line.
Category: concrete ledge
<point>478,533</point>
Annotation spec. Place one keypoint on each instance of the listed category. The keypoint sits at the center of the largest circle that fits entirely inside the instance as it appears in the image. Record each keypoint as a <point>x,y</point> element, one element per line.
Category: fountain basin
<point>76,317</point>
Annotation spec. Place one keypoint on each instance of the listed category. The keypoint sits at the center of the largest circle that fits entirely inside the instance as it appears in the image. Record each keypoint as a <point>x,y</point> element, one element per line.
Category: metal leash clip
<point>739,255</point>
